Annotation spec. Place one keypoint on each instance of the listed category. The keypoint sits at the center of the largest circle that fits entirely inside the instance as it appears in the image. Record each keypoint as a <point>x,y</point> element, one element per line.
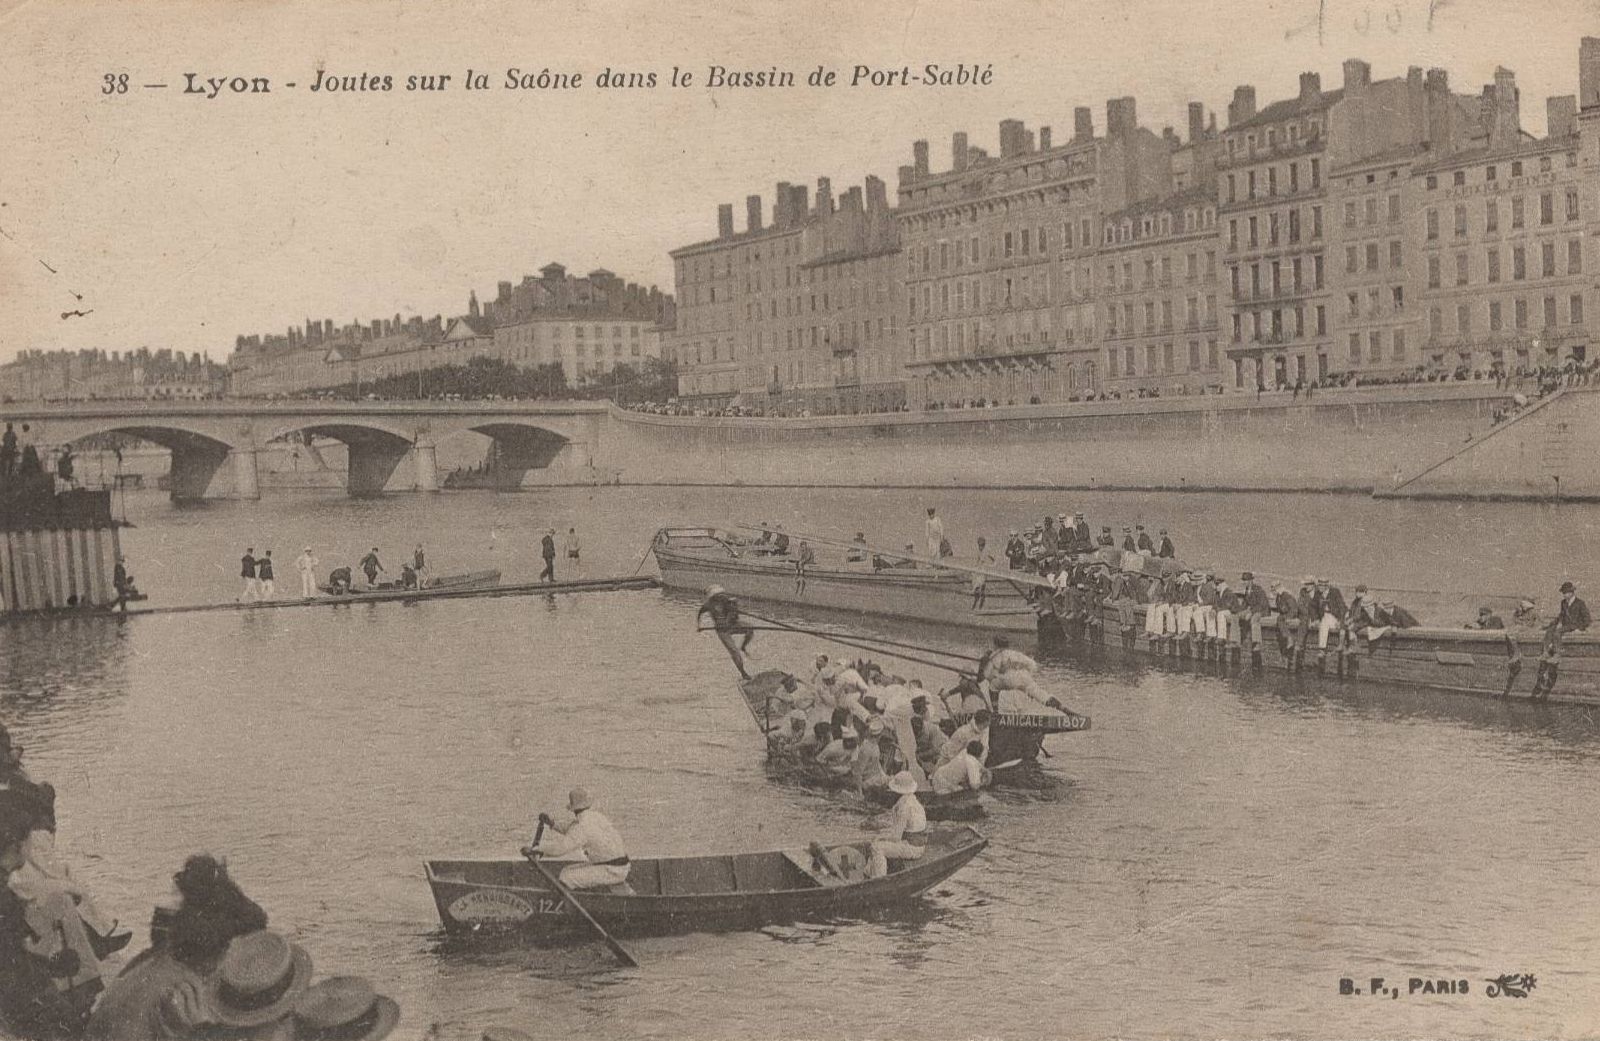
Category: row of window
<point>1519,264</point>
<point>1491,214</point>
<point>1278,227</point>
<point>1550,312</point>
<point>1279,325</point>
<point>1289,135</point>
<point>1196,311</point>
<point>856,296</point>
<point>1491,172</point>
<point>1159,359</point>
<point>1272,279</point>
<point>1252,185</point>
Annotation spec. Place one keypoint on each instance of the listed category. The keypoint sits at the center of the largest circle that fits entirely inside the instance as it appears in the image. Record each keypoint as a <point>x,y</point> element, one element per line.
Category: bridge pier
<point>193,469</point>
<point>372,463</point>
<point>426,458</point>
<point>246,474</point>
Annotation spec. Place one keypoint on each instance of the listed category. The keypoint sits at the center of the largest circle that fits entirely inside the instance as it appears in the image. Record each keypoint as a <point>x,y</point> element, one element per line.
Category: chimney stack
<point>1121,117</point>
<point>752,212</point>
<point>1013,138</point>
<point>725,221</point>
<point>1357,75</point>
<point>1082,123</point>
<point>799,203</point>
<point>851,200</point>
<point>958,151</point>
<point>877,195</point>
<point>905,175</point>
<point>1310,86</point>
<point>1197,121</point>
<point>1589,73</point>
<point>1044,139</point>
<point>824,196</point>
<point>1243,105</point>
<point>1503,108</point>
<point>1561,116</point>
<point>781,214</point>
<point>919,157</point>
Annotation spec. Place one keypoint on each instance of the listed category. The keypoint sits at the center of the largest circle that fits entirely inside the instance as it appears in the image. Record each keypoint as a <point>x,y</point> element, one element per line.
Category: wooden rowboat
<point>444,583</point>
<point>687,894</point>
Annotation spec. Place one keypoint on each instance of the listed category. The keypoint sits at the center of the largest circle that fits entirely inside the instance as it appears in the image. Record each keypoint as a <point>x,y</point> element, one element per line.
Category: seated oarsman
<point>591,834</point>
<point>974,729</point>
<point>790,740</point>
<point>1487,619</point>
<point>839,756</point>
<point>1362,619</point>
<point>929,739</point>
<point>1330,610</point>
<point>963,770</point>
<point>1106,538</point>
<point>1128,543</point>
<point>868,766</point>
<point>907,835</point>
<point>1291,623</point>
<point>819,737</point>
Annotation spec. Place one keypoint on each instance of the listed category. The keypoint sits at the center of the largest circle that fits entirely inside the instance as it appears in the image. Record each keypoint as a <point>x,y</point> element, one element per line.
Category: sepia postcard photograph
<point>925,519</point>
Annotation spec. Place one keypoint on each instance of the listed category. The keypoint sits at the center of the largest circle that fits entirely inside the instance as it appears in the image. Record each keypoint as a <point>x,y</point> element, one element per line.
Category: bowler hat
<point>1568,587</point>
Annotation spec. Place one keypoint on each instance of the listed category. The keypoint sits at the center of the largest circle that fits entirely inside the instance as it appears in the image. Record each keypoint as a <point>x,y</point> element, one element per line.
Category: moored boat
<point>1450,659</point>
<point>442,584</point>
<point>688,894</point>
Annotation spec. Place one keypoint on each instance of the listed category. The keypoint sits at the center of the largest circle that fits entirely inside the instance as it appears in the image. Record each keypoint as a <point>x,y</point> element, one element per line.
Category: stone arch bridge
<point>215,444</point>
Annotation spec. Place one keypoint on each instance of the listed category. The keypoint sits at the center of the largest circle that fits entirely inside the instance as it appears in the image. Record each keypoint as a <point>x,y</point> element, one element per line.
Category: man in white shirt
<point>591,834</point>
<point>974,729</point>
<point>935,532</point>
<point>962,771</point>
<point>908,828</point>
<point>306,564</point>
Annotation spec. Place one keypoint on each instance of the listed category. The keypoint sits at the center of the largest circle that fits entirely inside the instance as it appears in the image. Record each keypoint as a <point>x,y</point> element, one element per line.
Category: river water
<point>1210,859</point>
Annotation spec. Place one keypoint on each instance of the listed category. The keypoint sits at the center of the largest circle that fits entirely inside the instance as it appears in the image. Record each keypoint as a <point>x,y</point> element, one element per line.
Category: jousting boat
<point>442,584</point>
<point>908,586</point>
<point>691,894</point>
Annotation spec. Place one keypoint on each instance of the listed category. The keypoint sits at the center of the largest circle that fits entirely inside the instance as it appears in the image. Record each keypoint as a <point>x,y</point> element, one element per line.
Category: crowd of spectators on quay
<point>214,967</point>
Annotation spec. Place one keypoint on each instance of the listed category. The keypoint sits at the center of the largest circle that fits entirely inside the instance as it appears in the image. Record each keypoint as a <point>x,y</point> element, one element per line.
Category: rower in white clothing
<point>908,828</point>
<point>590,834</point>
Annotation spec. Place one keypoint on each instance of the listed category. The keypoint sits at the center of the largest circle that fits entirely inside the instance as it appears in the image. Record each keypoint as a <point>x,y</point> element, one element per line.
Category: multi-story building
<point>589,325</point>
<point>1500,225</point>
<point>799,316</point>
<point>1160,282</point>
<point>37,375</point>
<point>1000,257</point>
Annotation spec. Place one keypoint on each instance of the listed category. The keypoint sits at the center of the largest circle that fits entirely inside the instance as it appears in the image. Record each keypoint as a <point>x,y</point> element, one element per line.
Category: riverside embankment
<point>1352,440</point>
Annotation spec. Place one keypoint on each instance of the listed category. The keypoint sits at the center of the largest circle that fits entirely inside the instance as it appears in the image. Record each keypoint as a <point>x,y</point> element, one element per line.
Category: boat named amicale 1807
<point>688,894</point>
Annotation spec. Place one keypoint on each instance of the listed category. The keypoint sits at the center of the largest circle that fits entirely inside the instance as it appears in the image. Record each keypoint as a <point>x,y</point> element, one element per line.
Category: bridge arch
<point>374,450</point>
<point>198,454</point>
<point>519,446</point>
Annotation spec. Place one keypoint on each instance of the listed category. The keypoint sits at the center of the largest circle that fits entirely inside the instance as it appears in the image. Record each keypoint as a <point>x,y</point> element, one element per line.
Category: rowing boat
<point>444,583</point>
<point>685,894</point>
<point>1449,659</point>
<point>760,694</point>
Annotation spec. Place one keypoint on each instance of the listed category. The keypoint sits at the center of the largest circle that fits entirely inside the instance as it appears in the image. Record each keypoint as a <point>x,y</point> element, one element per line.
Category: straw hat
<point>874,725</point>
<point>345,1007</point>
<point>903,783</point>
<point>578,799</point>
<point>260,978</point>
<point>714,591</point>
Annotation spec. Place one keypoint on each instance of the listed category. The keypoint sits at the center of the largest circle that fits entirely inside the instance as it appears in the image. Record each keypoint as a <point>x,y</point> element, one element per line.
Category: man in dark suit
<point>1572,616</point>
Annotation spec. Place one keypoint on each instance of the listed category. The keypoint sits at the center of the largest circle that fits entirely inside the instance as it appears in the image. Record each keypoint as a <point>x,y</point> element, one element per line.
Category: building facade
<point>143,374</point>
<point>800,316</point>
<point>589,325</point>
<point>1160,272</point>
<point>1501,228</point>
<point>1000,257</point>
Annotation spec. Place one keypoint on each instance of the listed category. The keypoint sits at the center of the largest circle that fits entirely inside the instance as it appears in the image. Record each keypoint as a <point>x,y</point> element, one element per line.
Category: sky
<point>177,220</point>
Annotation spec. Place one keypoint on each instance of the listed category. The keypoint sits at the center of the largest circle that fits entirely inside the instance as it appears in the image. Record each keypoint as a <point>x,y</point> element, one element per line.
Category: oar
<point>571,901</point>
<point>1008,764</point>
